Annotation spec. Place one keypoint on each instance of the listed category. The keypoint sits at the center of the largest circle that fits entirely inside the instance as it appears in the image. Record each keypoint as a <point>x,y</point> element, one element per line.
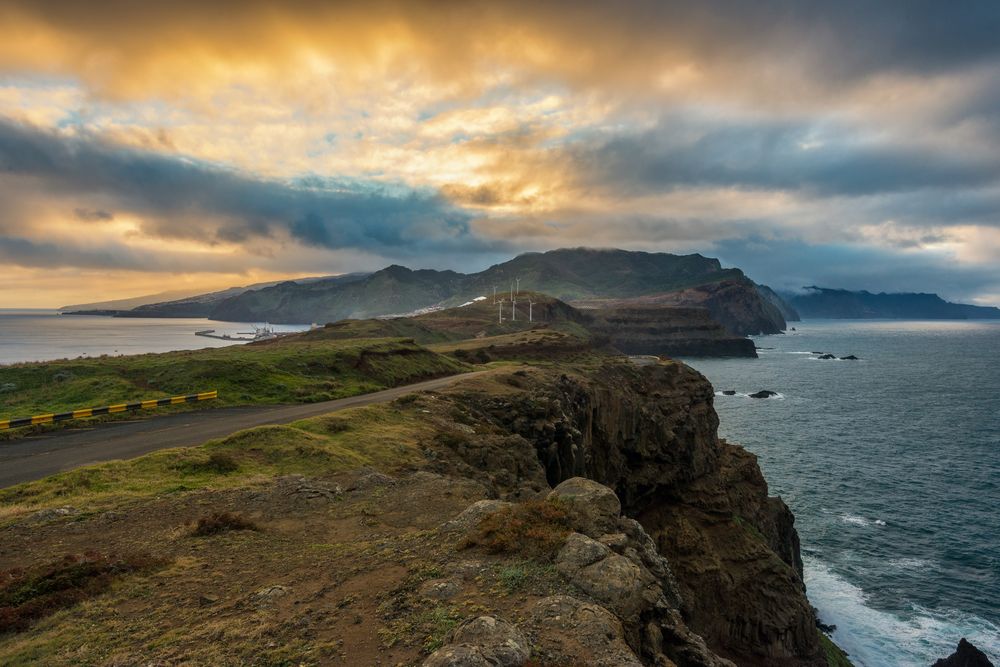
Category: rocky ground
<point>581,514</point>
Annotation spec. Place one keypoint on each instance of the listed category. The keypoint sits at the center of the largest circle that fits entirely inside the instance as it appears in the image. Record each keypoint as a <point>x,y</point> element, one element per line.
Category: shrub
<point>221,522</point>
<point>536,528</point>
<point>27,595</point>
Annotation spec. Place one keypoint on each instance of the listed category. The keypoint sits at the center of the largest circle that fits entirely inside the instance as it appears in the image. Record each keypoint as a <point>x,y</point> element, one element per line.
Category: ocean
<point>891,465</point>
<point>43,335</point>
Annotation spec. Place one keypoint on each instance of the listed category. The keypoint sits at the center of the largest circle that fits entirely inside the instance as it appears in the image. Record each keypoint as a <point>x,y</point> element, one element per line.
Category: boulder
<point>827,356</point>
<point>474,513</point>
<point>966,655</point>
<point>569,631</point>
<point>484,640</point>
<point>615,581</point>
<point>594,508</point>
<point>850,357</point>
<point>729,392</point>
<point>764,393</point>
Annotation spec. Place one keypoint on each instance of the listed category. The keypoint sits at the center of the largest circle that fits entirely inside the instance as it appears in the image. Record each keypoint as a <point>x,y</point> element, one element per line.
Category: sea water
<point>891,465</point>
<point>43,335</point>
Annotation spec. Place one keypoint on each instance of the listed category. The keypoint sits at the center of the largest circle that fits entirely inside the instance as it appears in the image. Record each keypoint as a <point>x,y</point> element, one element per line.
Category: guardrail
<point>106,410</point>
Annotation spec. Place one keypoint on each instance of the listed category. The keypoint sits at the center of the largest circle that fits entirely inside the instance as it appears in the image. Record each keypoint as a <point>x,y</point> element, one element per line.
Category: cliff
<point>822,302</point>
<point>736,304</point>
<point>650,435</point>
<point>667,331</point>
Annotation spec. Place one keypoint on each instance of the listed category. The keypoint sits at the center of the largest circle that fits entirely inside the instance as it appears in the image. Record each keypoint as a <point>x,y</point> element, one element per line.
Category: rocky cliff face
<point>650,435</point>
<point>737,304</point>
<point>674,332</point>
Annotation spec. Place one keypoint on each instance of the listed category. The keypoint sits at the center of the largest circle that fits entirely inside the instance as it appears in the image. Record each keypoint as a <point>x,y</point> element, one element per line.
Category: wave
<point>855,520</point>
<point>877,638</point>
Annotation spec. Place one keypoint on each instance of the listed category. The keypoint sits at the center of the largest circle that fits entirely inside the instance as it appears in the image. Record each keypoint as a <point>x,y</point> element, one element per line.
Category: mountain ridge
<point>569,274</point>
<point>826,302</point>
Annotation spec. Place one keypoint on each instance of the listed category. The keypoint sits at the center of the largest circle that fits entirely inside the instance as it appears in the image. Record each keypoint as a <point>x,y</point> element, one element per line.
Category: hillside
<point>202,305</point>
<point>646,330</point>
<point>133,302</point>
<point>823,302</point>
<point>568,274</point>
<point>548,515</point>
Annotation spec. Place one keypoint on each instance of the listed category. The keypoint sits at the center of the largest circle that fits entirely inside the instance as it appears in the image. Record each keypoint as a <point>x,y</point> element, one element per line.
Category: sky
<point>198,145</point>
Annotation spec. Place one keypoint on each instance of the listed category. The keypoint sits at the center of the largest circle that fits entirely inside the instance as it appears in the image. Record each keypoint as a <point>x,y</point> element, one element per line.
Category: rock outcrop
<point>650,435</point>
<point>627,612</point>
<point>966,655</point>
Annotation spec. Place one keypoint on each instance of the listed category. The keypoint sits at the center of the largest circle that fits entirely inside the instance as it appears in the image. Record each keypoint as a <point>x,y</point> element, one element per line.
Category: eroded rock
<point>594,508</point>
<point>484,640</point>
<point>567,630</point>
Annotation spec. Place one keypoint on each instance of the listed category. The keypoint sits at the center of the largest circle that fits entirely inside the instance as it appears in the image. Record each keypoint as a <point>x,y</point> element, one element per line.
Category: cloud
<point>177,198</point>
<point>684,150</point>
<point>790,264</point>
<point>792,46</point>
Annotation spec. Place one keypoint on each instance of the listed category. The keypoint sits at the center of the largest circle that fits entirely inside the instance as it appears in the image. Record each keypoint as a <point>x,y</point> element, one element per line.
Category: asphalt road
<point>43,455</point>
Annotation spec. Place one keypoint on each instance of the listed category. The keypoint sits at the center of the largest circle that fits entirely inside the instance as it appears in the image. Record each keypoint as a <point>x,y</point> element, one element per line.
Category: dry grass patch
<point>536,529</point>
<point>222,522</point>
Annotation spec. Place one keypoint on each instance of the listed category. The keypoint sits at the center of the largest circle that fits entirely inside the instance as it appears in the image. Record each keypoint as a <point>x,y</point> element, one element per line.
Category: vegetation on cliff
<point>384,534</point>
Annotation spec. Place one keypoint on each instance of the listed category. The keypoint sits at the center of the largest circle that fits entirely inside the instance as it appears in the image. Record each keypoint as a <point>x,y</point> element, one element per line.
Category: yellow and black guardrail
<point>106,410</point>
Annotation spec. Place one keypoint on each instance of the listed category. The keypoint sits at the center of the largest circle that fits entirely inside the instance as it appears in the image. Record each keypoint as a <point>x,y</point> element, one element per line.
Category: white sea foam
<point>855,520</point>
<point>911,564</point>
<point>876,638</point>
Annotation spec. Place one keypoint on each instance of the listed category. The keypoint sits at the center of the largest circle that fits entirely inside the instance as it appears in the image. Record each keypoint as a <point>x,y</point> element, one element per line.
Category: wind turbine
<point>530,305</point>
<point>518,291</point>
<point>513,311</point>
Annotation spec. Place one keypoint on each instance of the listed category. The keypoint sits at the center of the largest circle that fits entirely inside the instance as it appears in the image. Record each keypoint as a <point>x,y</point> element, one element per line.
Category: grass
<point>381,436</point>
<point>273,373</point>
<point>535,529</point>
<point>27,596</point>
<point>834,656</point>
<point>526,575</point>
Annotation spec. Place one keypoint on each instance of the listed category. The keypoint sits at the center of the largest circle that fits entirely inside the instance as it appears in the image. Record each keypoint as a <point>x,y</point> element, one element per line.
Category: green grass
<point>834,656</point>
<point>274,373</point>
<point>380,436</point>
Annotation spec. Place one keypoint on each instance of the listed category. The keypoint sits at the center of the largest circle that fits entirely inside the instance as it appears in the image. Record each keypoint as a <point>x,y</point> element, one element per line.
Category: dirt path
<point>40,456</point>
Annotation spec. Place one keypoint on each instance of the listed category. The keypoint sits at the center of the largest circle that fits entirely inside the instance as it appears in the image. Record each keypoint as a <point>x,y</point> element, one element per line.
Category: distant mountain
<point>133,302</point>
<point>824,302</point>
<point>577,274</point>
<point>202,305</point>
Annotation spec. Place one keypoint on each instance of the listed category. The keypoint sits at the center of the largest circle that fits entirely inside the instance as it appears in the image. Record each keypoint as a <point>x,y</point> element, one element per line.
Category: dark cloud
<point>683,151</point>
<point>180,198</point>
